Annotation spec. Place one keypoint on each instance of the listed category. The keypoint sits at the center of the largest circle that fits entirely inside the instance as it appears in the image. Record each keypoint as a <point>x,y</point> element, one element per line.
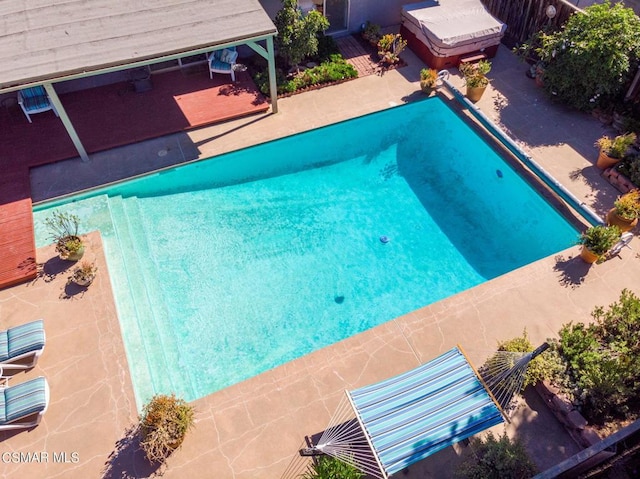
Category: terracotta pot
<point>624,224</point>
<point>426,87</point>
<point>605,161</point>
<point>587,256</point>
<point>475,93</point>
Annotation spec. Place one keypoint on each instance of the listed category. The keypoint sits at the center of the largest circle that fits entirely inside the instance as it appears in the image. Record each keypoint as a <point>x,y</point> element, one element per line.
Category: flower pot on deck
<point>623,223</point>
<point>605,161</point>
<point>474,93</point>
<point>588,256</point>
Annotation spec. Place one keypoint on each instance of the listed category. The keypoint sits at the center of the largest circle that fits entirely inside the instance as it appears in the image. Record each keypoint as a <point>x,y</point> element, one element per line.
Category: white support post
<point>53,96</point>
<point>273,87</point>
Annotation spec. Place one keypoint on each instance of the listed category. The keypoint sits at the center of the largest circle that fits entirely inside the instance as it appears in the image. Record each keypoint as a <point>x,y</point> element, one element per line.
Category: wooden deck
<point>17,244</point>
<point>357,55</point>
<point>104,117</point>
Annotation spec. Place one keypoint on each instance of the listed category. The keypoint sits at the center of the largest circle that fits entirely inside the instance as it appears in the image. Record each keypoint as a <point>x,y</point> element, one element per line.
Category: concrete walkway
<point>253,430</point>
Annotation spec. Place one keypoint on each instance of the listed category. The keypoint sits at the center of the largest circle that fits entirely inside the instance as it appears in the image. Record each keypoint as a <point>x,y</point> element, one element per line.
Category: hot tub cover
<point>452,26</point>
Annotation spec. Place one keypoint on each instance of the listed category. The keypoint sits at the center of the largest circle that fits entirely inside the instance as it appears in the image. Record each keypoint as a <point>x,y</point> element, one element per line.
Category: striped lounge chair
<point>35,100</point>
<point>223,61</point>
<point>21,346</point>
<point>22,406</point>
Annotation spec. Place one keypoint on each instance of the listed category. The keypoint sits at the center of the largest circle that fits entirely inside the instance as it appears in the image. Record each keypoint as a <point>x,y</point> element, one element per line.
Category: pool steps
<point>132,302</point>
<point>143,299</point>
<point>174,377</point>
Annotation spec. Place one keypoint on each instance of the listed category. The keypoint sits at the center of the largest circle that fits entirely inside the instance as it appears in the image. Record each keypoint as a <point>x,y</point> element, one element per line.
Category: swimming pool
<point>225,268</point>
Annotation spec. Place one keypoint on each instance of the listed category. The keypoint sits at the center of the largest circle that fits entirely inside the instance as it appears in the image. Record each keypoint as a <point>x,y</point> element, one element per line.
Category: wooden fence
<point>526,17</point>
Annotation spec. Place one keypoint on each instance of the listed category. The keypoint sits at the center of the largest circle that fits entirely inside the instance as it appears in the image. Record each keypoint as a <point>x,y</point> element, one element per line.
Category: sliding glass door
<point>337,11</point>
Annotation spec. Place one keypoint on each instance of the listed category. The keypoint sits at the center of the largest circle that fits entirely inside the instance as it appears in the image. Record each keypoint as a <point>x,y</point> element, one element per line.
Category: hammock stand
<point>387,426</point>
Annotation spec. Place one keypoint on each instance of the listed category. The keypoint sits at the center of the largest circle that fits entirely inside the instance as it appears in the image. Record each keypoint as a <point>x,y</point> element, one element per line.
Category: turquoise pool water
<point>225,268</point>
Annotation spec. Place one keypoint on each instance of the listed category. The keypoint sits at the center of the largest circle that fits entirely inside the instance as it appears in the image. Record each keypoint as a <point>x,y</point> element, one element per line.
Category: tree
<point>591,60</point>
<point>297,33</point>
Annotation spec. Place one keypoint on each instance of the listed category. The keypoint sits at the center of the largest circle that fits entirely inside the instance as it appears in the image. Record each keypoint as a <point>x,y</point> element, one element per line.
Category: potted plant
<point>390,46</point>
<point>64,233</point>
<point>475,78</point>
<point>164,423</point>
<point>371,33</point>
<point>428,78</point>
<point>612,150</point>
<point>625,211</point>
<point>84,274</point>
<point>596,242</point>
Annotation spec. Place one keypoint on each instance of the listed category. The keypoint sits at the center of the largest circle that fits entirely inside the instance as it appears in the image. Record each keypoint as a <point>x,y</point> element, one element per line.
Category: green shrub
<point>496,458</point>
<point>604,359</point>
<point>547,365</point>
<point>327,46</point>
<point>327,467</point>
<point>332,70</point>
<point>164,422</point>
<point>591,60</point>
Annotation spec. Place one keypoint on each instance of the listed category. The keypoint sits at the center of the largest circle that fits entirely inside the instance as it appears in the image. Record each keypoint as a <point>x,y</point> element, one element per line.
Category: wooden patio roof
<point>51,41</point>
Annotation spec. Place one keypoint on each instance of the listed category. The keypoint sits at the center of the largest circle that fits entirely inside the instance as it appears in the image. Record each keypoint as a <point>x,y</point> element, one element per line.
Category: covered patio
<point>114,115</point>
<point>49,45</point>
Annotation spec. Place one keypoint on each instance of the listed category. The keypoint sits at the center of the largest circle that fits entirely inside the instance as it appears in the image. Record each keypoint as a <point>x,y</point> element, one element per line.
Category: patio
<point>115,115</point>
<point>253,429</point>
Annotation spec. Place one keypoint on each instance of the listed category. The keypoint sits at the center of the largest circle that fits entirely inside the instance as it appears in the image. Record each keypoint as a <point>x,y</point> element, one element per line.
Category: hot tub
<point>443,32</point>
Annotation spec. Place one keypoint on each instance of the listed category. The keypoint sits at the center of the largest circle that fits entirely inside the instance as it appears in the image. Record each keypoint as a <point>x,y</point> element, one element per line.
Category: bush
<point>498,458</point>
<point>604,360</point>
<point>332,70</point>
<point>547,365</point>
<point>327,467</point>
<point>164,422</point>
<point>590,62</point>
<point>327,46</point>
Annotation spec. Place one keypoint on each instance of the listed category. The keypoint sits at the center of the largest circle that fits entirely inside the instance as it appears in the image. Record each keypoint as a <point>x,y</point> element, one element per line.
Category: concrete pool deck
<point>254,429</point>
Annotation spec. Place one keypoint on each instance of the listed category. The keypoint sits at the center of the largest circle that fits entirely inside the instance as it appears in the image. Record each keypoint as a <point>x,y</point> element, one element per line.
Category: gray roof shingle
<point>49,39</point>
